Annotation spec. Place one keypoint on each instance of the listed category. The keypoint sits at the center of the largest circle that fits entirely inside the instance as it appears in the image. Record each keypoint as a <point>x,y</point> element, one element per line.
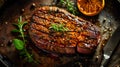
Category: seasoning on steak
<point>81,36</point>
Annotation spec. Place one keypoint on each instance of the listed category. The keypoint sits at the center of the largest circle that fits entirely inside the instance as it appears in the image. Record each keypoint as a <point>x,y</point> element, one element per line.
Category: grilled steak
<point>56,30</point>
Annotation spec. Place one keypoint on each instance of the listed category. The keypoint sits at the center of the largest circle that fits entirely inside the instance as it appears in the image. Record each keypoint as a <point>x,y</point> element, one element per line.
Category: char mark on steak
<point>82,36</point>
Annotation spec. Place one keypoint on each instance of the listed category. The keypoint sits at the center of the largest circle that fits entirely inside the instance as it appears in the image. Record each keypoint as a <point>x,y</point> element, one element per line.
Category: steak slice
<point>81,36</point>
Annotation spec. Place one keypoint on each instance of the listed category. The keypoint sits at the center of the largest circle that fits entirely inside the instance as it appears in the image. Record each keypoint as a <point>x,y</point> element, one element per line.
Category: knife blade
<point>5,62</point>
<point>110,47</point>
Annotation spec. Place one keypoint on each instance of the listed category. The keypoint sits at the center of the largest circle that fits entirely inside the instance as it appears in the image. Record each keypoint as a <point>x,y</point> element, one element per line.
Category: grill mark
<point>39,30</point>
<point>56,21</point>
<point>39,20</point>
<point>42,35</point>
<point>43,42</point>
<point>40,27</point>
<point>55,11</point>
<point>54,39</point>
<point>53,17</point>
<point>47,27</point>
<point>65,19</point>
<point>50,20</point>
<point>41,16</point>
<point>41,24</point>
<point>40,43</point>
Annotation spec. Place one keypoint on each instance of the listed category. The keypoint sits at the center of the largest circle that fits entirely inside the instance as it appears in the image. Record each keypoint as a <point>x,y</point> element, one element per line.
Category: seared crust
<point>81,33</point>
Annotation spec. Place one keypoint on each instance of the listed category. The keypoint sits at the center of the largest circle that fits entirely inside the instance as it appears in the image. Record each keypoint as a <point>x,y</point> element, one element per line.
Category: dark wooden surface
<point>10,13</point>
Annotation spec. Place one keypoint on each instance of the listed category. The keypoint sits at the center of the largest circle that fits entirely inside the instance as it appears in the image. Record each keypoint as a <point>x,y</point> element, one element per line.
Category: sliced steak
<point>81,36</point>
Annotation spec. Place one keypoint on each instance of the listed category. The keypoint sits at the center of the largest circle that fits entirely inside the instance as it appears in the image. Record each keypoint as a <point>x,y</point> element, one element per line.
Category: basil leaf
<point>19,44</point>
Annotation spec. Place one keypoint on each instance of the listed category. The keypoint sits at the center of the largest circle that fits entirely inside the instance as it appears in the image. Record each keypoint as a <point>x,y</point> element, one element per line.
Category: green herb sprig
<point>58,27</point>
<point>20,44</point>
<point>70,6</point>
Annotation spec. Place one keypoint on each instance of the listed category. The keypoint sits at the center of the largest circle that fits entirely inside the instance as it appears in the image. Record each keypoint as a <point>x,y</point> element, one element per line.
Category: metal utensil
<point>4,62</point>
<point>110,47</point>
